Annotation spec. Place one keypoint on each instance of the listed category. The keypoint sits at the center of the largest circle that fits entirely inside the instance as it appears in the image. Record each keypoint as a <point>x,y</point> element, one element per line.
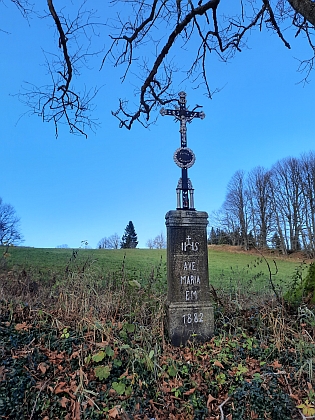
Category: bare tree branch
<point>182,21</point>
<point>274,23</point>
<point>62,44</point>
<point>60,101</point>
<point>24,6</point>
<point>146,40</point>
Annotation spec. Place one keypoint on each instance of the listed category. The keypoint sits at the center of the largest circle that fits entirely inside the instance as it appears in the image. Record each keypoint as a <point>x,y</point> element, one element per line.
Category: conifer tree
<point>129,239</point>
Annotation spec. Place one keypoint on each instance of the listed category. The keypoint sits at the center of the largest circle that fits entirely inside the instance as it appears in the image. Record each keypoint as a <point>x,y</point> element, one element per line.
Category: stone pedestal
<point>189,311</point>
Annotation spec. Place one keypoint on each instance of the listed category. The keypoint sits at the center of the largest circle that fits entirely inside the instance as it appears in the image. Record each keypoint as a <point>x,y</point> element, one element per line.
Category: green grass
<point>237,270</point>
<point>91,328</point>
<point>135,262</point>
<point>227,270</point>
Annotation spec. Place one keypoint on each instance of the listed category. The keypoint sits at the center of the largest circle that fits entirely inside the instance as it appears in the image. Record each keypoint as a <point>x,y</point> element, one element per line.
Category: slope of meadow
<point>229,267</point>
<point>82,336</point>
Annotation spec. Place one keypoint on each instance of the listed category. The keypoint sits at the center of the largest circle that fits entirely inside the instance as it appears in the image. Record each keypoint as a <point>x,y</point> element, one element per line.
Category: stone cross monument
<point>189,311</point>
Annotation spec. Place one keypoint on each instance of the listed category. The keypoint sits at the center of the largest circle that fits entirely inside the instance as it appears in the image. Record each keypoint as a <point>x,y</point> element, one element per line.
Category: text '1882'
<point>193,318</point>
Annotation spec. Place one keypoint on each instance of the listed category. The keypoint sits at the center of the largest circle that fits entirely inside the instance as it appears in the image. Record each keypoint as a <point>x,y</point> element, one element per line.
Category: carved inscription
<point>190,265</point>
<point>191,295</point>
<point>190,278</point>
<point>193,318</point>
<point>190,314</point>
<point>188,244</point>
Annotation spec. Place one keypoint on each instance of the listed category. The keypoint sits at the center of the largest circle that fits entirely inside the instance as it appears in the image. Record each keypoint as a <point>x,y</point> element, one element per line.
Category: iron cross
<point>184,116</point>
<point>184,157</point>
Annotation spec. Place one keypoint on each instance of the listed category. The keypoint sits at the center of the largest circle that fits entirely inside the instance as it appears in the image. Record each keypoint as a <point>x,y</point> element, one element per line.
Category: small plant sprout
<point>307,408</point>
<point>65,333</point>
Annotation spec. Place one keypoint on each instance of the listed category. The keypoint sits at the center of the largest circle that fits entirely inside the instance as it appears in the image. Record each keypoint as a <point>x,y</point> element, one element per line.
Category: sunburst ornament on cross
<point>184,157</point>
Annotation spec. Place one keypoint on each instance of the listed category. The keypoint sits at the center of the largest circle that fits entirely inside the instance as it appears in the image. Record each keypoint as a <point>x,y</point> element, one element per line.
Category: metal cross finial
<point>184,157</point>
<point>183,115</point>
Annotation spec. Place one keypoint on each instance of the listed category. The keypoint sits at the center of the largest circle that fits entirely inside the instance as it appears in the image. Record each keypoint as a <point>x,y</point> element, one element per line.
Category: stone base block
<point>189,322</point>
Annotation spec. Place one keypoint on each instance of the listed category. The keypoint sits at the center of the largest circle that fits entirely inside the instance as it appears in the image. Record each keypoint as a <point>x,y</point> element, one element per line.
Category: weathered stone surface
<point>187,322</point>
<point>190,314</point>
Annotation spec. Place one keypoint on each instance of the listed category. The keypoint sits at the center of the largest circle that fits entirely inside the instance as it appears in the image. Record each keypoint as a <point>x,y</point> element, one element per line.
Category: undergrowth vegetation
<point>86,344</point>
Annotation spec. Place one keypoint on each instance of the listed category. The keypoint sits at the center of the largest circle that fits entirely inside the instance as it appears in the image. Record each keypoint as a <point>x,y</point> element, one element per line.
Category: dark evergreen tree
<point>223,237</point>
<point>276,241</point>
<point>129,239</point>
<point>212,238</point>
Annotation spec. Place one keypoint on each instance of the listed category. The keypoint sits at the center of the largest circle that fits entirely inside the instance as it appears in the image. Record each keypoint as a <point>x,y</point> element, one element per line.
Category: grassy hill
<point>80,340</point>
<point>229,267</point>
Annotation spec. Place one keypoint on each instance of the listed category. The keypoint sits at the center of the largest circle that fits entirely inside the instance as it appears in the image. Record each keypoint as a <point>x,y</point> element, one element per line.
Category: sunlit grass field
<point>227,269</point>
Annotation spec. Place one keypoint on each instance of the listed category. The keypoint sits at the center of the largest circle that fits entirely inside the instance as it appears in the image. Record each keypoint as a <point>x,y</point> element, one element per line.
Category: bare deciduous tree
<point>103,243</point>
<point>110,242</point>
<point>228,224</point>
<point>236,205</point>
<point>272,207</point>
<point>287,190</point>
<point>114,241</point>
<point>159,241</point>
<point>9,225</point>
<point>308,200</point>
<point>259,193</point>
<point>150,244</point>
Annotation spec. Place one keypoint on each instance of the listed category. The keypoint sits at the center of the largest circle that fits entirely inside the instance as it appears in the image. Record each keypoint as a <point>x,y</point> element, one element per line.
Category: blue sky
<point>70,189</point>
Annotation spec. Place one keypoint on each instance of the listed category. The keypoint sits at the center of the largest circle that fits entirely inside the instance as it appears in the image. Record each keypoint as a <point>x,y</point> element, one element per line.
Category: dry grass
<point>273,344</point>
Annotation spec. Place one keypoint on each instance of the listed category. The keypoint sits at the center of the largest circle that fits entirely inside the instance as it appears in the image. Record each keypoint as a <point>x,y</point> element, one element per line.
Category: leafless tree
<point>114,241</point>
<point>275,206</point>
<point>111,242</point>
<point>236,206</point>
<point>307,167</point>
<point>287,196</point>
<point>159,241</point>
<point>228,223</point>
<point>9,225</point>
<point>145,39</point>
<point>103,243</point>
<point>150,244</point>
<point>259,195</point>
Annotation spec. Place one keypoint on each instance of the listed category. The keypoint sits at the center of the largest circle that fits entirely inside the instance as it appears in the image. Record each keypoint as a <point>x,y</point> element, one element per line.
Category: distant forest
<point>270,208</point>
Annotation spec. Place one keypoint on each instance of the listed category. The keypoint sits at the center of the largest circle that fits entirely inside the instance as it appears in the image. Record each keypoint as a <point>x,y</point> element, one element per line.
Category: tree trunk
<point>306,8</point>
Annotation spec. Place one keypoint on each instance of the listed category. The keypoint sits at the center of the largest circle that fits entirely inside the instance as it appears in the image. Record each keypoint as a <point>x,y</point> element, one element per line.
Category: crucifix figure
<point>184,157</point>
